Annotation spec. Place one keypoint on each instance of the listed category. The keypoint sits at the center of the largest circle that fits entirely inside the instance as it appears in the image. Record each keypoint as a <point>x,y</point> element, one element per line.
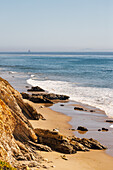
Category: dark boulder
<point>82,128</point>
<point>110,121</point>
<point>104,129</point>
<point>27,86</point>
<point>72,129</point>
<point>78,108</point>
<point>36,89</point>
<point>92,110</point>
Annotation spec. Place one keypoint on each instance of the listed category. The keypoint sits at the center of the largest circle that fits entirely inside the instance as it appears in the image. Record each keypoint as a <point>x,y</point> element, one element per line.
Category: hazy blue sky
<point>57,25</point>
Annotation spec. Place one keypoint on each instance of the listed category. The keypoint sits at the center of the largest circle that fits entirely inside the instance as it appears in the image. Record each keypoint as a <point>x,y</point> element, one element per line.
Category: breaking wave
<point>101,98</point>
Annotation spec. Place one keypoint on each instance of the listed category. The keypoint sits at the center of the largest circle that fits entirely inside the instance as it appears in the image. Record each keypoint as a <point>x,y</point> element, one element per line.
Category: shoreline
<point>93,160</point>
<point>93,121</point>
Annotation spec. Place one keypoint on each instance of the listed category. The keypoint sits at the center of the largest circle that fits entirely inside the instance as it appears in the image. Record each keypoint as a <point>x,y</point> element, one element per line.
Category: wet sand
<point>91,120</point>
<point>93,160</point>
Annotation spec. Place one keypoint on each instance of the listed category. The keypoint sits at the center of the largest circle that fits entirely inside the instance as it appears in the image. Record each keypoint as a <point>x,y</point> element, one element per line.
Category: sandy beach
<point>93,160</point>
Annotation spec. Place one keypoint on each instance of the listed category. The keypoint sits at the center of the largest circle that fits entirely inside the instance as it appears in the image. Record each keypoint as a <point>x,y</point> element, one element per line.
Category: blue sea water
<point>85,77</point>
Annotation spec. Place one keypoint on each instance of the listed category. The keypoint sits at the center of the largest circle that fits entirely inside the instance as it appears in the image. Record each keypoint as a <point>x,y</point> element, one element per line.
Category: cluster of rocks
<point>103,129</point>
<point>82,109</point>
<point>80,128</point>
<point>36,98</point>
<point>67,145</point>
<point>44,97</point>
<point>84,129</point>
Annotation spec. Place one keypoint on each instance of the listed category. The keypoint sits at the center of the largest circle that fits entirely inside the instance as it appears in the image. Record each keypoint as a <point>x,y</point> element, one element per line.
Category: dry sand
<point>93,160</point>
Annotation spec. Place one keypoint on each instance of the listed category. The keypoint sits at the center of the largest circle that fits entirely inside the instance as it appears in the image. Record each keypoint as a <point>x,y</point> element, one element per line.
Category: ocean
<point>87,77</point>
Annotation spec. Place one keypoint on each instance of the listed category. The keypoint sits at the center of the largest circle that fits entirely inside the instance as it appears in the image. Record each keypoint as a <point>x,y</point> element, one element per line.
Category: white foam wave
<point>32,75</point>
<point>111,126</point>
<point>98,97</point>
<point>12,72</point>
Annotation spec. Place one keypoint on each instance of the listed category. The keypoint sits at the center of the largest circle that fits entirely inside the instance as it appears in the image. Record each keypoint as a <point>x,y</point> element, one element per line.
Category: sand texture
<point>93,160</point>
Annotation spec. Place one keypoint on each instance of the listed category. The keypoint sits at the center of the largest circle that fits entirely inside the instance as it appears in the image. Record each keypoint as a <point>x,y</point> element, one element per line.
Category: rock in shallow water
<point>44,97</point>
<point>104,129</point>
<point>110,121</point>
<point>36,89</point>
<point>78,108</point>
<point>82,128</point>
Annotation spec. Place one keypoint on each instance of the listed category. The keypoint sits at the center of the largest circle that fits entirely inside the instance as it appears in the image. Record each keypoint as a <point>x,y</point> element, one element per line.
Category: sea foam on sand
<point>101,98</point>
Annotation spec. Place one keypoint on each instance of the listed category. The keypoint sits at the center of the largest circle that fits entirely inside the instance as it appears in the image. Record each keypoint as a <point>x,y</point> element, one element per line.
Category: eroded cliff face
<point>7,125</point>
<point>14,126</point>
<point>14,102</point>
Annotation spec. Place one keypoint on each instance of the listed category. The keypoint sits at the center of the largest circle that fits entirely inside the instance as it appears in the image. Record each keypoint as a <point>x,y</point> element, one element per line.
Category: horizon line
<point>59,52</point>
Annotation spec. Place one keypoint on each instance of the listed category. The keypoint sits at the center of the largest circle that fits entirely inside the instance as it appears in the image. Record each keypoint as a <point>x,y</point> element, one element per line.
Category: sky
<point>56,25</point>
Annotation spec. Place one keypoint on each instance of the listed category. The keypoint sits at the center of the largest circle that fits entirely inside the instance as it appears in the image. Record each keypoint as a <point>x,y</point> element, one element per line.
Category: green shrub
<point>6,166</point>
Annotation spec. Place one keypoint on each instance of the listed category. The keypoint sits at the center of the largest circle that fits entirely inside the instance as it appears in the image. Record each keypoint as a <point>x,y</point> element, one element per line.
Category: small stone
<point>43,119</point>
<point>53,166</point>
<point>92,111</point>
<point>41,107</point>
<point>104,129</point>
<point>56,130</point>
<point>62,105</point>
<point>64,157</point>
<point>44,166</point>
<point>50,162</point>
<point>27,86</point>
<point>99,129</point>
<point>72,129</point>
<point>45,159</point>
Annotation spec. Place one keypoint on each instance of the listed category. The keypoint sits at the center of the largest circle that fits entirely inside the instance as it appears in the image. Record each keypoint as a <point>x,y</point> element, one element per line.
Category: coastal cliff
<point>18,139</point>
<point>14,125</point>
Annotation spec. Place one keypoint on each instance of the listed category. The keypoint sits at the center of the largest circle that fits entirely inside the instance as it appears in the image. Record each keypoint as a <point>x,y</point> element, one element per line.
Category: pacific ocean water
<point>86,77</point>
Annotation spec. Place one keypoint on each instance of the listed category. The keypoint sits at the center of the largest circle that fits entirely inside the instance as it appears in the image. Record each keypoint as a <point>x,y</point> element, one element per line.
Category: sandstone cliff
<point>14,126</point>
